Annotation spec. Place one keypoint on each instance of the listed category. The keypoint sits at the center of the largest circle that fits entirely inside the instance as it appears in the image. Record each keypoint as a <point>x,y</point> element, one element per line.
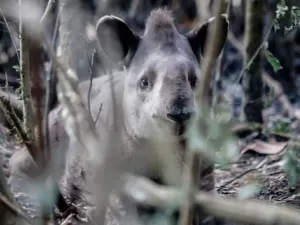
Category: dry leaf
<point>264,147</point>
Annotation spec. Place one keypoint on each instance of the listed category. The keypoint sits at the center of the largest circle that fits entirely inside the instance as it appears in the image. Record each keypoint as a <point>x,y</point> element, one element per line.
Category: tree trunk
<point>252,80</point>
<point>282,46</point>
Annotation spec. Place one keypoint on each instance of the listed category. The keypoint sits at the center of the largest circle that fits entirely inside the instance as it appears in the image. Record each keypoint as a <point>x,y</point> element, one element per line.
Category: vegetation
<point>245,144</point>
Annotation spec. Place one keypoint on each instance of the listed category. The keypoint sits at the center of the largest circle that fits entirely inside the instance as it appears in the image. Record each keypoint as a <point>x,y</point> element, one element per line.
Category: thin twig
<point>6,31</point>
<point>25,71</point>
<point>11,36</point>
<point>68,220</point>
<point>91,81</point>
<point>236,43</point>
<point>280,95</point>
<point>50,83</point>
<point>72,101</point>
<point>13,209</point>
<point>98,114</point>
<point>47,10</point>
<point>254,56</point>
<point>14,121</point>
<point>258,166</point>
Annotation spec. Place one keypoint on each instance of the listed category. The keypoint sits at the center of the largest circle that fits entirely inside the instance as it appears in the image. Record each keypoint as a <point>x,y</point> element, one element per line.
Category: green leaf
<point>291,165</point>
<point>296,15</point>
<point>249,191</point>
<point>273,61</point>
<point>281,126</point>
<point>16,67</point>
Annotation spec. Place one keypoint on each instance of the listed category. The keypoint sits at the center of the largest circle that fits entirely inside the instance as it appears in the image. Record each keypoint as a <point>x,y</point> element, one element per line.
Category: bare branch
<point>50,86</point>
<point>255,54</point>
<point>194,160</point>
<point>11,35</point>
<point>79,123</point>
<point>211,54</point>
<point>25,77</point>
<point>14,121</point>
<point>279,93</point>
<point>91,81</point>
<point>145,192</point>
<point>47,10</point>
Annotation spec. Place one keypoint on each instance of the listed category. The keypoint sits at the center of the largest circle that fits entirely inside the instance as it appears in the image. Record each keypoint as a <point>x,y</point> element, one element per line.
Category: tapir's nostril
<point>180,117</point>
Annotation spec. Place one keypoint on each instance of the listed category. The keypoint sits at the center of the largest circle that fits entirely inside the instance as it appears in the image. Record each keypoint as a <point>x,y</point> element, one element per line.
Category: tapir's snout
<point>180,117</point>
<point>181,111</point>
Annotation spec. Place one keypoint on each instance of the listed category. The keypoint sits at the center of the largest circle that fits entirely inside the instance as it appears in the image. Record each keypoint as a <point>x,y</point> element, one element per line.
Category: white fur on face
<point>151,123</point>
<point>155,112</point>
<point>147,118</point>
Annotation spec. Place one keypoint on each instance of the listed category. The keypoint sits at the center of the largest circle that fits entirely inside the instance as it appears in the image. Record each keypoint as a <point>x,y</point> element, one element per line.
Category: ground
<point>273,179</point>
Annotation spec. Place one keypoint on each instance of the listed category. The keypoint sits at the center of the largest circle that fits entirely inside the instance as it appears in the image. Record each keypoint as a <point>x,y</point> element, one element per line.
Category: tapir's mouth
<point>179,130</point>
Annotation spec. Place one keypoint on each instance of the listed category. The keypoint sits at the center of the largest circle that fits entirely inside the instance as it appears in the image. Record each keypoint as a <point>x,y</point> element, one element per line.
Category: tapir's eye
<point>192,79</point>
<point>144,83</point>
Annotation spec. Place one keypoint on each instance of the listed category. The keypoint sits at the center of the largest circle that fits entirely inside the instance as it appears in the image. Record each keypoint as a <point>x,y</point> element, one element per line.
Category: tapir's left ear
<point>197,37</point>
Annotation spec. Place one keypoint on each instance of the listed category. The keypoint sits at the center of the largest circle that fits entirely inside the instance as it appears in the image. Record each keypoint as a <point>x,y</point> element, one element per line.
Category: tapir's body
<point>154,97</point>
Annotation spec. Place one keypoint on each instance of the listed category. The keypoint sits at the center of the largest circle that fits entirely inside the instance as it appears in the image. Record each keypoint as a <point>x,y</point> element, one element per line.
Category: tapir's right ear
<point>198,36</point>
<point>116,38</point>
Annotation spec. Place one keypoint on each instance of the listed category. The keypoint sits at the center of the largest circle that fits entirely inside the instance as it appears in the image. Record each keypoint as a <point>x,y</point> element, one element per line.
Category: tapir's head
<point>162,70</point>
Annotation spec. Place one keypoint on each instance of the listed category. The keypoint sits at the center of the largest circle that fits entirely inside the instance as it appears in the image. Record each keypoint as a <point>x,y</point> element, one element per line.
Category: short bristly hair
<point>160,26</point>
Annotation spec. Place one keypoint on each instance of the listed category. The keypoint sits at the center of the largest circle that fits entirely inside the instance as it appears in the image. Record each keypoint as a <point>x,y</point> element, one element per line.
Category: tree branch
<point>145,192</point>
<point>195,161</point>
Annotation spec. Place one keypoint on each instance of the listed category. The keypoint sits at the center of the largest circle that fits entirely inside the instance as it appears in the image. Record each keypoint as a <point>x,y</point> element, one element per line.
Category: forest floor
<point>270,179</point>
<point>260,169</point>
